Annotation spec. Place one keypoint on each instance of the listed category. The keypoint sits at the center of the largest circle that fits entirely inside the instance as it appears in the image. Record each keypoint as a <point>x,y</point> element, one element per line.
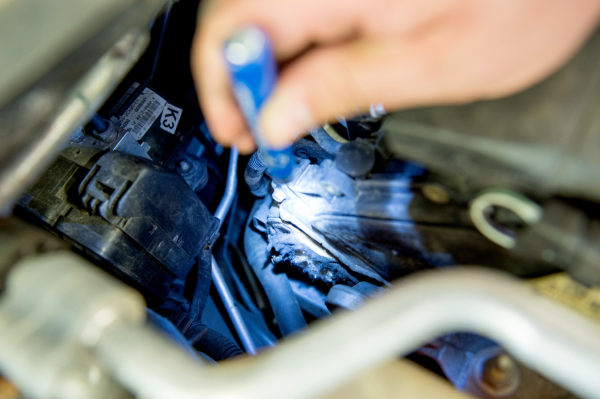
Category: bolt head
<point>436,193</point>
<point>500,376</point>
<point>184,166</point>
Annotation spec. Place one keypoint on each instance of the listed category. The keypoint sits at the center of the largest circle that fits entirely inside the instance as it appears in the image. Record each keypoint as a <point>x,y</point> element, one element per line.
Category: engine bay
<point>231,263</point>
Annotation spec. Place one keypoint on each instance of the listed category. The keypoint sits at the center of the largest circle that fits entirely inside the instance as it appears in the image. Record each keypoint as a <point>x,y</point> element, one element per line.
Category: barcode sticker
<point>142,113</point>
<point>170,118</point>
<point>125,97</point>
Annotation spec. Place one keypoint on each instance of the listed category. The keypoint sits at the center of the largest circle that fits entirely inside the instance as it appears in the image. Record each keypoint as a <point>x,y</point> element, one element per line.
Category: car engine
<point>140,258</point>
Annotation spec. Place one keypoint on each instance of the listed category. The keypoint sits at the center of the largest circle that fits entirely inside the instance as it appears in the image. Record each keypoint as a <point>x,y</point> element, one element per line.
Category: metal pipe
<point>239,286</point>
<point>217,277</point>
<point>398,379</point>
<point>232,310</point>
<point>550,338</point>
<point>230,186</point>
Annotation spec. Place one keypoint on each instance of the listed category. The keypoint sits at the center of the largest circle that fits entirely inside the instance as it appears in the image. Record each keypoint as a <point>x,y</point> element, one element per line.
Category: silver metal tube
<point>230,186</point>
<point>217,278</point>
<point>550,338</point>
<point>232,309</point>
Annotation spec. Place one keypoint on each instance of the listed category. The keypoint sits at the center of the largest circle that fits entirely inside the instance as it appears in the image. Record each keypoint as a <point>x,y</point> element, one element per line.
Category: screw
<point>500,376</point>
<point>436,193</point>
<point>184,167</point>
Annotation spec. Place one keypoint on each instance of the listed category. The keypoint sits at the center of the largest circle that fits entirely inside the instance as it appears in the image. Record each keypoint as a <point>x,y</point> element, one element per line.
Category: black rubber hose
<point>201,291</point>
<point>307,149</point>
<point>163,324</point>
<point>281,297</point>
<point>211,342</point>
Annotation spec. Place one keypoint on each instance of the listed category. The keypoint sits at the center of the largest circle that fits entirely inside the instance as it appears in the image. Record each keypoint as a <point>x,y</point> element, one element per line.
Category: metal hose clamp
<point>523,207</point>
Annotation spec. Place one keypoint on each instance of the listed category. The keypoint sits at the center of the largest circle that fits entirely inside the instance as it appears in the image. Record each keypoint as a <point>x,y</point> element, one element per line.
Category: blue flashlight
<point>253,70</point>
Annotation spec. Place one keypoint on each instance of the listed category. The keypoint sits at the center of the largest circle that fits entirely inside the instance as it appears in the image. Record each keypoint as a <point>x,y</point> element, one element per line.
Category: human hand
<point>340,56</point>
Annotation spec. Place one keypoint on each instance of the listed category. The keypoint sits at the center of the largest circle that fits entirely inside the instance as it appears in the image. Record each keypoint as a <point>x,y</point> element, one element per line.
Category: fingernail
<point>282,120</point>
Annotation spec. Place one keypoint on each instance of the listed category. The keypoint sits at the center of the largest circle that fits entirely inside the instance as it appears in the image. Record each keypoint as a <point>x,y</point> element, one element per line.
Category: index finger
<point>291,25</point>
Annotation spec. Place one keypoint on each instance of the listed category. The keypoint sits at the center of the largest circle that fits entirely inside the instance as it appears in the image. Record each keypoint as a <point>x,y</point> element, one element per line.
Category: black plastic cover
<point>140,218</point>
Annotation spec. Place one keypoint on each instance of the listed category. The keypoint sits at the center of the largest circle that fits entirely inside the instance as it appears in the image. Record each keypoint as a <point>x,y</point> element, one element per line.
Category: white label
<point>125,97</point>
<point>142,113</point>
<point>170,118</point>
